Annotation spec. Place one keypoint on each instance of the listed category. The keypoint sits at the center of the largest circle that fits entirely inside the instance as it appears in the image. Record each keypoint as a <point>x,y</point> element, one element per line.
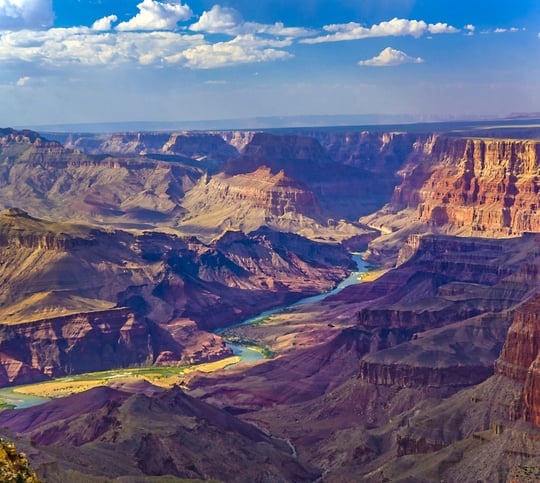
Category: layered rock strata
<point>474,185</point>
<point>75,299</point>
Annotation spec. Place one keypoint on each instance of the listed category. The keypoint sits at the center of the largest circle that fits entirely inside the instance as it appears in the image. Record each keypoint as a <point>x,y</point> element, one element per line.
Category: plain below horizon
<point>272,122</point>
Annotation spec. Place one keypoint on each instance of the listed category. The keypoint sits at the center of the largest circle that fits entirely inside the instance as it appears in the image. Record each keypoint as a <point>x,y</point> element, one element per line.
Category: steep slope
<point>111,434</point>
<point>53,181</point>
<point>469,187</point>
<point>75,299</point>
<point>250,200</point>
<point>439,320</point>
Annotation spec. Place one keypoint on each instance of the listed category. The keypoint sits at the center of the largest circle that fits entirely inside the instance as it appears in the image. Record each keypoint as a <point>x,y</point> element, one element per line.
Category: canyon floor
<point>137,254</point>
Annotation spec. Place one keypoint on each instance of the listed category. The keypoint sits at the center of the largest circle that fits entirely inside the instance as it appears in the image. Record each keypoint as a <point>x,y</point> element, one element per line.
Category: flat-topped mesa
<point>483,186</point>
<point>468,259</point>
<point>10,136</point>
<point>275,193</point>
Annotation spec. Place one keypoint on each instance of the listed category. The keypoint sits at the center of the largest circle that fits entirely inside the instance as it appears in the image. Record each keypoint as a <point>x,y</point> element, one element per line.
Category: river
<point>247,354</point>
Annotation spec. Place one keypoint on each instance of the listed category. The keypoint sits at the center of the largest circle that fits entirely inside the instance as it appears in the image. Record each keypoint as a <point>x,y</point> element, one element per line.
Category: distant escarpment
<point>198,146</point>
<point>76,298</point>
<point>52,181</point>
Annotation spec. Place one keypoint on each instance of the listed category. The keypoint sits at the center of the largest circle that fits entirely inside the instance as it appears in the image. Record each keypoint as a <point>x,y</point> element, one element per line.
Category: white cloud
<point>396,27</point>
<point>227,20</point>
<point>105,23</point>
<point>442,28</point>
<point>218,20</point>
<point>22,81</point>
<point>86,46</point>
<point>154,15</point>
<point>504,30</point>
<point>243,49</point>
<point>19,14</point>
<point>470,27</point>
<point>390,57</point>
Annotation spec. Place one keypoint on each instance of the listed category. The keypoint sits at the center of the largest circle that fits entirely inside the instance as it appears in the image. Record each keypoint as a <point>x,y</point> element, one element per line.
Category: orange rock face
<point>483,186</point>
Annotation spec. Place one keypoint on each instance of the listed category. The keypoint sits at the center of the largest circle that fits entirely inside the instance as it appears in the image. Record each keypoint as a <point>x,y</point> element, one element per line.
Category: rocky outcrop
<point>487,186</point>
<point>275,194</point>
<point>9,137</point>
<point>71,344</point>
<point>520,359</point>
<point>409,376</point>
<point>14,466</point>
<point>522,345</point>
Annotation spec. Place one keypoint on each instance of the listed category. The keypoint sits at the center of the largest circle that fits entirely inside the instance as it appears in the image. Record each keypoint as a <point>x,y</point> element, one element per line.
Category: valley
<point>131,264</point>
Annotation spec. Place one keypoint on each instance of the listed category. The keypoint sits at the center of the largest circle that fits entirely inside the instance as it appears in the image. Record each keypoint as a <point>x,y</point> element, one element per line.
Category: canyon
<point>131,249</point>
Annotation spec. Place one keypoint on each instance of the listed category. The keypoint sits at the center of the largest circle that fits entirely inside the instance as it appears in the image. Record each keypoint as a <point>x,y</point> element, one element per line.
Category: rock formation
<point>116,434</point>
<point>76,299</point>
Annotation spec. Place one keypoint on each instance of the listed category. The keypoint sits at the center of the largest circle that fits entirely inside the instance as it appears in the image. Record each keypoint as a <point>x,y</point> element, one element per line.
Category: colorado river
<point>248,354</point>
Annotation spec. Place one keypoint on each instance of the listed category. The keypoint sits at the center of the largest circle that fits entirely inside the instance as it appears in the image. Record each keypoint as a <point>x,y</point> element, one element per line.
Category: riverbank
<point>246,350</point>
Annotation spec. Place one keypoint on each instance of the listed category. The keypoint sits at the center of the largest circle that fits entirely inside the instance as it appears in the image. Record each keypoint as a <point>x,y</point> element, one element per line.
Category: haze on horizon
<point>151,60</point>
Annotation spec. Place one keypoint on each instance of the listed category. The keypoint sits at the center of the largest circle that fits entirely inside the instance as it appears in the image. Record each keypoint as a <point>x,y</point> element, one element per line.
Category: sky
<point>89,61</point>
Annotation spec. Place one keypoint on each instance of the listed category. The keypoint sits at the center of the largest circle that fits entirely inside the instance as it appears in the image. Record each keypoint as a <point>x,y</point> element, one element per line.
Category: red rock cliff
<point>520,358</point>
<point>484,186</point>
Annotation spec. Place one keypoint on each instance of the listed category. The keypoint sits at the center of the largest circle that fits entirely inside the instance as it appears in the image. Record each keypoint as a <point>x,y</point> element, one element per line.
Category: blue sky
<point>70,61</point>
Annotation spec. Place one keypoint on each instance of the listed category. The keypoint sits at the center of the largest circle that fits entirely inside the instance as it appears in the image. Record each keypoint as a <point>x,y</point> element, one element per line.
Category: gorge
<point>131,249</point>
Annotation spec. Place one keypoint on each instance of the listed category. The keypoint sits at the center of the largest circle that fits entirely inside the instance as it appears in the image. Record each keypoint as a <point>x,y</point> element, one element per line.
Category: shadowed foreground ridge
<point>112,433</point>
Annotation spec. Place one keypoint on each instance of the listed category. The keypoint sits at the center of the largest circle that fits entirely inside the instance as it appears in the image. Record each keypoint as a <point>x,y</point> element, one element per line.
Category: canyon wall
<point>520,359</point>
<point>478,186</point>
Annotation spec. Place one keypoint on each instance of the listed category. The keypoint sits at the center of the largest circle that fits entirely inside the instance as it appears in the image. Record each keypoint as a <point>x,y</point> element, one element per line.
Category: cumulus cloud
<point>154,15</point>
<point>243,49</point>
<point>19,14</point>
<point>397,27</point>
<point>90,47</point>
<point>441,28</point>
<point>390,57</point>
<point>218,20</point>
<point>227,20</point>
<point>84,46</point>
<point>105,23</point>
